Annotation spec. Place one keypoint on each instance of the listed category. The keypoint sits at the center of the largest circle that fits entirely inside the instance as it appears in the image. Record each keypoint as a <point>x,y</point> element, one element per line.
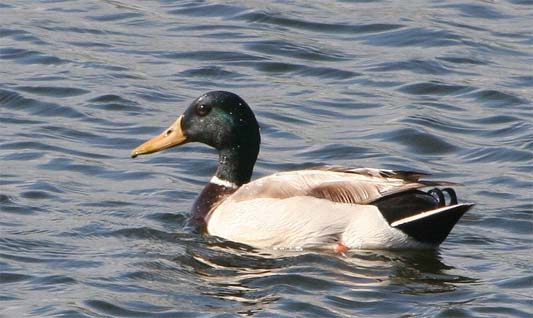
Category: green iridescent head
<point>221,120</point>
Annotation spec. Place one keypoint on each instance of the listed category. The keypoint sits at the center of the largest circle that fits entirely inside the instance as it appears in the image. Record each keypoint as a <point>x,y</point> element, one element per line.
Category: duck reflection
<point>252,279</point>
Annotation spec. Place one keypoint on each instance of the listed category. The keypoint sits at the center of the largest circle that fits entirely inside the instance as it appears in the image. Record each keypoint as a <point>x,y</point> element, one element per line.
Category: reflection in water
<point>255,279</point>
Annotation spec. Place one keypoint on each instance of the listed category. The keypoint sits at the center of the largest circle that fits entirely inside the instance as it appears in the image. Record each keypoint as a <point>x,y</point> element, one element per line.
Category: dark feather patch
<point>405,204</point>
<point>342,192</point>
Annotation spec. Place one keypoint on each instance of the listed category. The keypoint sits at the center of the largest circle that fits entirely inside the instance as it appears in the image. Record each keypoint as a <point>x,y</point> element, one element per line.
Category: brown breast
<point>210,196</point>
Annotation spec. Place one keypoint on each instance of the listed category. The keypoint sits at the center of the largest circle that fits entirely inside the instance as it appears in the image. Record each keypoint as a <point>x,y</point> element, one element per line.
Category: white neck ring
<point>225,183</point>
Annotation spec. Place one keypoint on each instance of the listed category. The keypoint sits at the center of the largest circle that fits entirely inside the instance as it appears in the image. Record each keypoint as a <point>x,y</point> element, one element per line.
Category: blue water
<point>444,87</point>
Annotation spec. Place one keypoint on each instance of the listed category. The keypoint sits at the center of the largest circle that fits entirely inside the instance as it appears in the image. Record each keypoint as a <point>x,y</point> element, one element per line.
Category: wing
<point>336,184</point>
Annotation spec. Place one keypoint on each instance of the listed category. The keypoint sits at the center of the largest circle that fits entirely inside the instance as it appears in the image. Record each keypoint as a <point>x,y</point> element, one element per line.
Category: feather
<point>320,207</point>
<point>336,184</point>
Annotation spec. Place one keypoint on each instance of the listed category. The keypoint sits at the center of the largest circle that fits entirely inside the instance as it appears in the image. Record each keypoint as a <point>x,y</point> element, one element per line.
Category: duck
<point>325,207</point>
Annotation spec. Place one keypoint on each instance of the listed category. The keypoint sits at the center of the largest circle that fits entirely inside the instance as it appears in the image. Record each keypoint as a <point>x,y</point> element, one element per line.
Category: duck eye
<point>203,109</point>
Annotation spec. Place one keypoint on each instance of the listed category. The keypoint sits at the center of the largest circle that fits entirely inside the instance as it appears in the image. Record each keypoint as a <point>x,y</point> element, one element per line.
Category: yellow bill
<point>172,136</point>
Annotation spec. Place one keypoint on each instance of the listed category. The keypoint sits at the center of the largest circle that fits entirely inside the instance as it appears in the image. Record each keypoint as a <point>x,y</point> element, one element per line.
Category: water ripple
<point>278,19</point>
<point>207,10</point>
<point>496,98</point>
<point>212,56</point>
<point>434,88</point>
<point>422,37</point>
<point>53,91</point>
<point>298,51</point>
<point>420,141</point>
<point>23,56</point>
<point>17,102</point>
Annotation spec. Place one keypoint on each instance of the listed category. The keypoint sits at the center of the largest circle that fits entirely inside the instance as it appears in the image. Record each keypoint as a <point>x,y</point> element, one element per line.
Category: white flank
<point>305,222</point>
<point>224,183</point>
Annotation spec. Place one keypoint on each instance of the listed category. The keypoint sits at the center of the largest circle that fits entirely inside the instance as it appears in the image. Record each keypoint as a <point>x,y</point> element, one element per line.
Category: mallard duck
<point>325,207</point>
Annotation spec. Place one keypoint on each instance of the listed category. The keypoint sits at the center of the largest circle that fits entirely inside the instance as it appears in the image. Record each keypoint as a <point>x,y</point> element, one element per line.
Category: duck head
<point>221,120</point>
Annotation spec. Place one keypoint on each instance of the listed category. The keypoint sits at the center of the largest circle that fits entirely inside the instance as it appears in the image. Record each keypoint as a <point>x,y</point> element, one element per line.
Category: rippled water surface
<point>438,86</point>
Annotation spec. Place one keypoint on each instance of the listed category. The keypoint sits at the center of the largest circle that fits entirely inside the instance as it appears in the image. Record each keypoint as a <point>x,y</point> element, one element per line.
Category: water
<point>443,87</point>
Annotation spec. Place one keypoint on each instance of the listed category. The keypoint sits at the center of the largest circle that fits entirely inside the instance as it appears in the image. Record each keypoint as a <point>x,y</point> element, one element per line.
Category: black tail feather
<point>424,216</point>
<point>440,196</point>
<point>451,193</point>
<point>433,228</point>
